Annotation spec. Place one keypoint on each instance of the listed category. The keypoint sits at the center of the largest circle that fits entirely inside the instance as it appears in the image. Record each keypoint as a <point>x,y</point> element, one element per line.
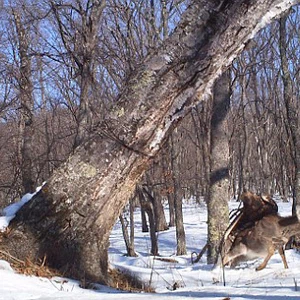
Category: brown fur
<point>254,209</point>
<point>267,235</point>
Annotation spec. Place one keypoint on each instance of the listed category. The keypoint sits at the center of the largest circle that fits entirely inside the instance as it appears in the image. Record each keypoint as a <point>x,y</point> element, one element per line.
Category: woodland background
<point>63,66</point>
<point>47,69</point>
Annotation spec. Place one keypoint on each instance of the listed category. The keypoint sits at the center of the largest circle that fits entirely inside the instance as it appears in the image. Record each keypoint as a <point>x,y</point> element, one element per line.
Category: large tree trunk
<point>70,220</point>
<point>217,204</point>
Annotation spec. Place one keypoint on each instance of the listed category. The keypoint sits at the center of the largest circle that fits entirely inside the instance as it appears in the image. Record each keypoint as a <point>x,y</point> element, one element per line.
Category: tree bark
<point>217,204</point>
<point>26,106</point>
<point>128,239</point>
<point>70,220</point>
<point>147,206</point>
<point>145,227</point>
<point>158,209</point>
<point>168,187</point>
<point>154,197</point>
<point>180,233</point>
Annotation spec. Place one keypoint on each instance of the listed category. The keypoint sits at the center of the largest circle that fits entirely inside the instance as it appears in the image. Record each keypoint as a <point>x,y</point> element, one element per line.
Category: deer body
<point>269,234</point>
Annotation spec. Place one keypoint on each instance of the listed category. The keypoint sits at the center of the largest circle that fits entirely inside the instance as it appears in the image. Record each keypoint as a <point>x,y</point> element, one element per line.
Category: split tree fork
<point>70,220</point>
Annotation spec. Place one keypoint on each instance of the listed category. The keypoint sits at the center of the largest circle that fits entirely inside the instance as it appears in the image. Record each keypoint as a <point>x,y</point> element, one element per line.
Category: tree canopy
<point>78,206</point>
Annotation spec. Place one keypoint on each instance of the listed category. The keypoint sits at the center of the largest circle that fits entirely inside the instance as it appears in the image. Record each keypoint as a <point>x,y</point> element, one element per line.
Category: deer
<point>258,232</point>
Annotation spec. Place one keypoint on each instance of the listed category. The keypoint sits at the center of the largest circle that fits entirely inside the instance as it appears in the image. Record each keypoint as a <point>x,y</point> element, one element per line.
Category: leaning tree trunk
<point>70,220</point>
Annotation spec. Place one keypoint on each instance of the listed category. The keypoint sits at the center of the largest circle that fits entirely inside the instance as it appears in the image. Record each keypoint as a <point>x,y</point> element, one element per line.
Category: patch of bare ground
<point>126,281</point>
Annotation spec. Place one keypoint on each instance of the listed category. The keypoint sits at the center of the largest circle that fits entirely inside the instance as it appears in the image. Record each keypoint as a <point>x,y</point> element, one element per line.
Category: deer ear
<point>266,197</point>
<point>250,202</point>
<point>246,195</point>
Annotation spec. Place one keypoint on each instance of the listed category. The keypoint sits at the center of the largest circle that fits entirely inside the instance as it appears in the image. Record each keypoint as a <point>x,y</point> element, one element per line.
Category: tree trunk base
<point>77,254</point>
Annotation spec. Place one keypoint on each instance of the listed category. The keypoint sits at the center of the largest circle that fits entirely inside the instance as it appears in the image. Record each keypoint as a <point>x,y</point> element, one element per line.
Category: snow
<point>191,281</point>
<point>9,212</point>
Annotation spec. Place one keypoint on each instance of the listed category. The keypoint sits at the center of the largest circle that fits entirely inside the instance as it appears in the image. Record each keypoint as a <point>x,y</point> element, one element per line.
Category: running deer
<point>253,235</point>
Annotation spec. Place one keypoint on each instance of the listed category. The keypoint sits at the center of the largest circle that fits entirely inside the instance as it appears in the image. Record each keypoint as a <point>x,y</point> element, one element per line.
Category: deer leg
<point>264,263</point>
<point>281,252</point>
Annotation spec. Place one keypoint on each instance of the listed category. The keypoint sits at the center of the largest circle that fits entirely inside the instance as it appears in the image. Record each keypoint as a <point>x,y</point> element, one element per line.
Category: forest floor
<point>168,275</point>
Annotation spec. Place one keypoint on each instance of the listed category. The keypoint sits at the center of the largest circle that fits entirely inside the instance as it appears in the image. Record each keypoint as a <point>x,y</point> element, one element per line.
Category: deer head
<point>257,232</point>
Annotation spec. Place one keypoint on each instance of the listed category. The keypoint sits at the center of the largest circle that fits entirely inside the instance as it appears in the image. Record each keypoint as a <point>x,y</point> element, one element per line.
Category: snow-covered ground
<point>191,281</point>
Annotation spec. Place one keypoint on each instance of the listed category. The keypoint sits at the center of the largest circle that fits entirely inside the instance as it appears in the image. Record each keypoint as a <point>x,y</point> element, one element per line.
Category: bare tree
<point>292,116</point>
<point>180,233</point>
<point>217,204</point>
<point>146,201</point>
<point>128,237</point>
<point>154,196</point>
<point>71,218</point>
<point>201,117</point>
<point>168,189</point>
<point>261,134</point>
<point>78,27</point>
<point>26,103</point>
